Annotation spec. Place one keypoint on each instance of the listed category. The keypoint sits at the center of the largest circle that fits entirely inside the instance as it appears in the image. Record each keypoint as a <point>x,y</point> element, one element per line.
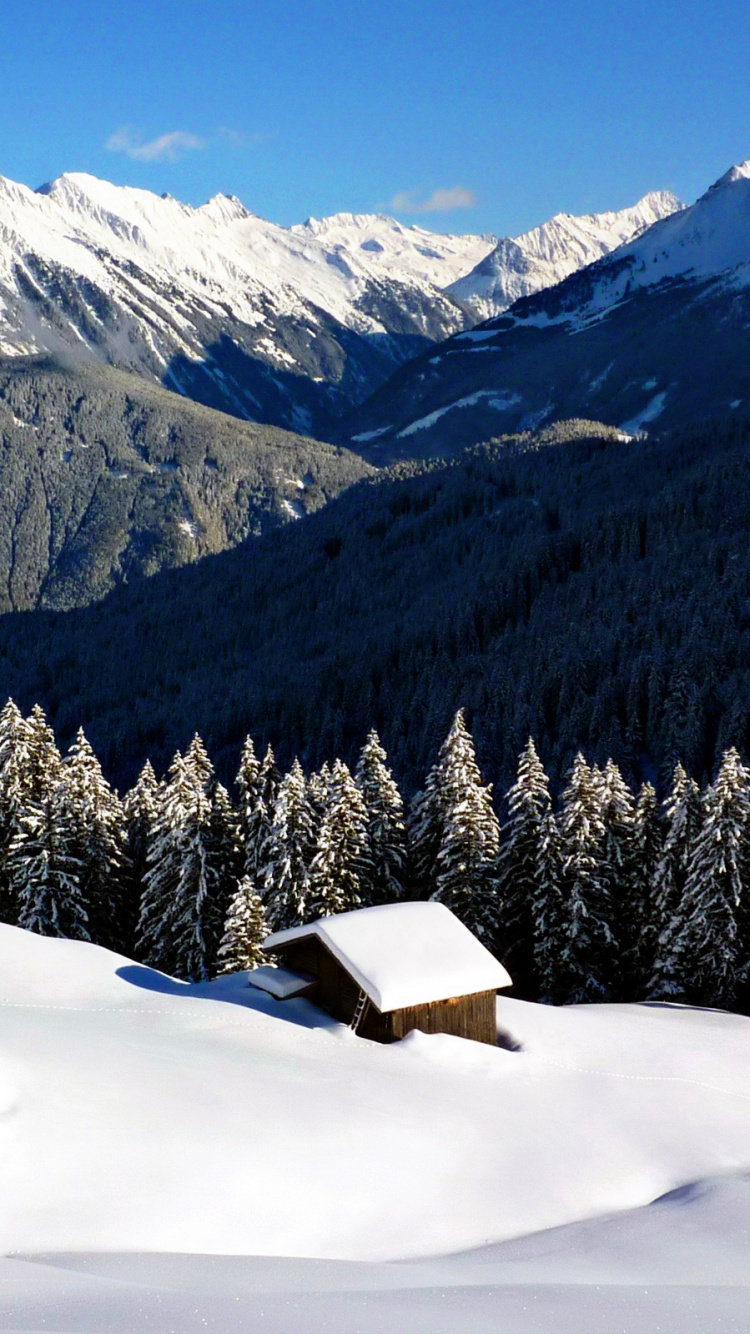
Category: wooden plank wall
<point>337,992</point>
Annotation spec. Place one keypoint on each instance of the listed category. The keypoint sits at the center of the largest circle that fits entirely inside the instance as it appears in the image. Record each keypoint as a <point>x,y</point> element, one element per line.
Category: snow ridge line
<point>645,1079</point>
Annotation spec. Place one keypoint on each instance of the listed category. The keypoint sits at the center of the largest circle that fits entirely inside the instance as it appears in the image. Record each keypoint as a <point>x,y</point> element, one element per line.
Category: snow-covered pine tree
<point>683,812</point>
<point>341,867</point>
<point>699,951</point>
<point>258,784</point>
<point>44,759</point>
<point>520,901</point>
<point>44,874</point>
<point>386,831</point>
<point>466,861</point>
<point>161,878</point>
<point>647,847</point>
<point>319,790</point>
<point>140,806</point>
<point>616,869</point>
<point>225,861</point>
<point>588,962</point>
<point>548,912</point>
<point>97,824</point>
<point>198,908</point>
<point>14,742</point>
<point>290,850</point>
<point>244,931</point>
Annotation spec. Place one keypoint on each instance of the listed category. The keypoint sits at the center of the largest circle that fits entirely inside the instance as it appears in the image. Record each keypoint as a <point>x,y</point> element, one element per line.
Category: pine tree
<point>341,867</point>
<point>647,847</point>
<point>198,908</point>
<point>97,825</point>
<point>465,865</point>
<point>548,912</point>
<point>224,857</point>
<point>244,932</point>
<point>588,962</point>
<point>139,808</point>
<point>259,785</point>
<point>699,951</point>
<point>290,850</point>
<point>386,832</point>
<point>44,874</point>
<point>162,875</point>
<point>616,868</point>
<point>14,793</point>
<point>683,811</point>
<point>521,902</point>
<point>44,759</point>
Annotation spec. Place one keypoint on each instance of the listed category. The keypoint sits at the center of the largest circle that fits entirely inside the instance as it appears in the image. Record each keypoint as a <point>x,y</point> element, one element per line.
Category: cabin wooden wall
<point>337,992</point>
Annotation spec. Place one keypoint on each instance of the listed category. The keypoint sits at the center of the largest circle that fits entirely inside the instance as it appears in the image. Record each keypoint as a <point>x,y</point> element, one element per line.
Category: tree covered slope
<point>105,478</point>
<point>589,591</point>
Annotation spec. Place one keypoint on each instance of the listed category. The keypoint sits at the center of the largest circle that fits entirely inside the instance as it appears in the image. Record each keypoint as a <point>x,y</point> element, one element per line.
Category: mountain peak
<point>225,208</point>
<point>739,172</point>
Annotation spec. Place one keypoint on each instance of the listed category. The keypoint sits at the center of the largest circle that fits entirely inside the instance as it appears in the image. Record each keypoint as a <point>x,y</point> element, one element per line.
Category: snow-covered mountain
<point>545,255</point>
<point>657,332</point>
<point>284,325</point>
<point>289,326</point>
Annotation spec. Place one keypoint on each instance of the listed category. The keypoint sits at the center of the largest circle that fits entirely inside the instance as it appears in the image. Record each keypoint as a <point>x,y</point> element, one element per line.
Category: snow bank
<point>150,1115</point>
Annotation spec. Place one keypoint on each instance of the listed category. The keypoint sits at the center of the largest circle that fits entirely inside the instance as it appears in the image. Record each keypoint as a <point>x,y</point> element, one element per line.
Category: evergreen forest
<point>604,894</point>
<point>577,586</point>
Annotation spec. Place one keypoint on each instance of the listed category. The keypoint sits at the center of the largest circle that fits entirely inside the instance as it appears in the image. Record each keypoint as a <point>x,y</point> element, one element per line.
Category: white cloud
<point>440,201</point>
<point>165,148</point>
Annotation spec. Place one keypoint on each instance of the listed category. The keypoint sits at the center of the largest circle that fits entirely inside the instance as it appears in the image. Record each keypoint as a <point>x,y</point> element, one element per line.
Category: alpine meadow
<point>374,669</point>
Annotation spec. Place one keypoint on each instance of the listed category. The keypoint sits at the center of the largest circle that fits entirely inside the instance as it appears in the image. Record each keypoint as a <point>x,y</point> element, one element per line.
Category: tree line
<point>608,896</point>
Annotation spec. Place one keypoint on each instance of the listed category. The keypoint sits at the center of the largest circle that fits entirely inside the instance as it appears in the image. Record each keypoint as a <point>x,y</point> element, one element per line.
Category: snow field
<point>152,1115</point>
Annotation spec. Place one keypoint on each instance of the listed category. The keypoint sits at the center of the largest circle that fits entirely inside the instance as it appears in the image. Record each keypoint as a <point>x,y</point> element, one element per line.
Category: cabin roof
<point>404,953</point>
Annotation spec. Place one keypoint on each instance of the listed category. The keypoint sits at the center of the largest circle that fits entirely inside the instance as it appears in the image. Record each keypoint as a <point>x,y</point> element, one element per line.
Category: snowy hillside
<point>547,254</point>
<point>128,1101</point>
<point>654,334</point>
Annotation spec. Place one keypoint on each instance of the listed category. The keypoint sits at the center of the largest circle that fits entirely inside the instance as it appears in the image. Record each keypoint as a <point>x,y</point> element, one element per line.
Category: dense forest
<point>606,897</point>
<point>106,478</point>
<point>585,589</point>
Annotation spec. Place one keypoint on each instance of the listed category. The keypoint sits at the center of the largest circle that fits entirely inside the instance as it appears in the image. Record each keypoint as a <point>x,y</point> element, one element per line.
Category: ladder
<point>359,1011</point>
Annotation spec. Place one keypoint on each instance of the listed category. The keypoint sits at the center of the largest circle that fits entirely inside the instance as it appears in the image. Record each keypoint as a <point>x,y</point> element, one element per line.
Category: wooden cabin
<point>387,970</point>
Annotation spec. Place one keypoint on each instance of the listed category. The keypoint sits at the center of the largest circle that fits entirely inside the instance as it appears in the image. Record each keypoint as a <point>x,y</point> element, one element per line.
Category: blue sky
<point>486,115</point>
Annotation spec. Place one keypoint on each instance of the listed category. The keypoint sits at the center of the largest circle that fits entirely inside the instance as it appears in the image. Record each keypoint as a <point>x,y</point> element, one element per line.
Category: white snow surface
<point>405,953</point>
<point>166,1150</point>
<point>279,982</point>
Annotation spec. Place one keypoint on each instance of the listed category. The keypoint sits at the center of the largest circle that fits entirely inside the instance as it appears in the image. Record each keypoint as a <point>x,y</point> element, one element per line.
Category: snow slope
<point>157,1140</point>
<point>545,255</point>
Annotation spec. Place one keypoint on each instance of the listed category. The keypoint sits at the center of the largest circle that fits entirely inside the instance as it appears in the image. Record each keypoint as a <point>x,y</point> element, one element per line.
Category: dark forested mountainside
<point>104,477</point>
<point>660,358</point>
<point>587,591</point>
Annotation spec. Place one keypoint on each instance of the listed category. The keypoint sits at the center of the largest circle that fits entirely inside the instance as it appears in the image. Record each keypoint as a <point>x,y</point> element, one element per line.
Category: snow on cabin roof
<point>404,953</point>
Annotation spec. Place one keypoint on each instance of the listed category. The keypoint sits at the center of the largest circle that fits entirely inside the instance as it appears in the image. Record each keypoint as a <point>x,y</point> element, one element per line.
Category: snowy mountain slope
<point>545,255</point>
<point>391,247</point>
<point>274,324</point>
<point>654,334</point>
<point>142,1114</point>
